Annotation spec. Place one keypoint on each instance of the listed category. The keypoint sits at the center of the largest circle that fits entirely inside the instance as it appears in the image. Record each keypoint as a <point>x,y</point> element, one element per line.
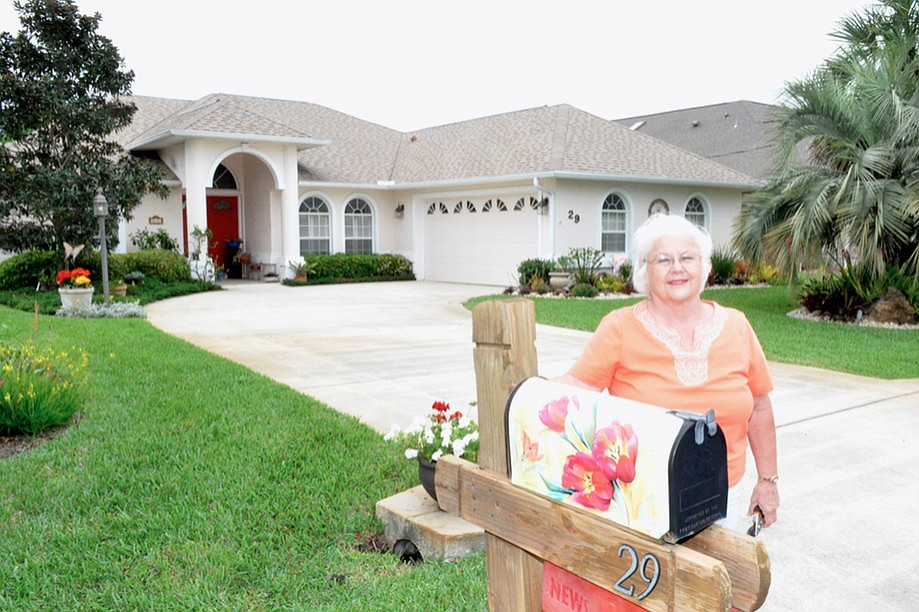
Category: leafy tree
<point>61,97</point>
<point>856,197</point>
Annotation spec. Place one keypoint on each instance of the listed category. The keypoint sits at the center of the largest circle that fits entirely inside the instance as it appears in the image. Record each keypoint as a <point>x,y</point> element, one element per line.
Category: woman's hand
<point>761,434</point>
<point>766,496</point>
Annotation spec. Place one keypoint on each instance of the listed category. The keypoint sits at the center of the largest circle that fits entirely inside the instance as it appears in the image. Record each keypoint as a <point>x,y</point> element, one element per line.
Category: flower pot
<point>559,280</point>
<point>426,471</point>
<point>72,297</point>
<point>121,290</point>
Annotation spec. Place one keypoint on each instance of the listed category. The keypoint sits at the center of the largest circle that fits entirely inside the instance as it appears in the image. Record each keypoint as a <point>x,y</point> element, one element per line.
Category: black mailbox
<point>657,471</point>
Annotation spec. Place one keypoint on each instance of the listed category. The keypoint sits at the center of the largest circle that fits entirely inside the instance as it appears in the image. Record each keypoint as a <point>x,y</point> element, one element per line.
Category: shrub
<point>40,388</point>
<point>625,270</point>
<point>724,267</point>
<point>834,296</point>
<point>538,285</point>
<point>613,284</point>
<point>92,260</point>
<point>95,310</point>
<point>28,269</point>
<point>765,273</point>
<point>529,268</point>
<point>145,240</point>
<point>584,290</point>
<point>585,264</point>
<point>354,266</point>
<point>166,266</point>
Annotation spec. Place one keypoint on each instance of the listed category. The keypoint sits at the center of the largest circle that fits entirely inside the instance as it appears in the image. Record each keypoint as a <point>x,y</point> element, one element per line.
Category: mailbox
<point>659,472</point>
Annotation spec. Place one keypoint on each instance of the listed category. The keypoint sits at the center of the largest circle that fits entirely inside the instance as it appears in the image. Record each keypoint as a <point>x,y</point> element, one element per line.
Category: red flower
<point>63,275</point>
<point>554,413</point>
<point>439,406</point>
<point>593,489</point>
<point>615,450</point>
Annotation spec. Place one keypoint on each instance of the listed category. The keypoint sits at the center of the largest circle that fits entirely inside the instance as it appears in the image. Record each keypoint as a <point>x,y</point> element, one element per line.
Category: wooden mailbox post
<point>539,551</point>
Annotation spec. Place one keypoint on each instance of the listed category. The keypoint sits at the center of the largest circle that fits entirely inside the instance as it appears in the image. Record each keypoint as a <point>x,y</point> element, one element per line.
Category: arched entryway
<point>223,220</point>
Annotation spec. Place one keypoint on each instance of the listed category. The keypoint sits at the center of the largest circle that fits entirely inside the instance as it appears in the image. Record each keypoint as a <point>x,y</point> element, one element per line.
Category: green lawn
<point>869,351</point>
<point>193,483</point>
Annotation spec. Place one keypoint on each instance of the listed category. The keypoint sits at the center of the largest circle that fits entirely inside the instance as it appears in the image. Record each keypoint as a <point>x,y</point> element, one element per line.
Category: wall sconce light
<point>400,211</point>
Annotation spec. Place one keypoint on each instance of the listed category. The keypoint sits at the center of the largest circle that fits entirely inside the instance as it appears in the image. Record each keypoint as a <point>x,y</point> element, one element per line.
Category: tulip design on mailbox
<point>611,456</point>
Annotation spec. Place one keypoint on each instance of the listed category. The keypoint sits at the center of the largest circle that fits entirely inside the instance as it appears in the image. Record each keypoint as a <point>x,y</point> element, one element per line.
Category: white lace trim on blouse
<point>691,366</point>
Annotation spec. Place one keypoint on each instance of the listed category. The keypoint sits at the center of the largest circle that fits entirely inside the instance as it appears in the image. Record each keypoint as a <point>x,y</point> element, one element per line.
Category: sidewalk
<point>384,352</point>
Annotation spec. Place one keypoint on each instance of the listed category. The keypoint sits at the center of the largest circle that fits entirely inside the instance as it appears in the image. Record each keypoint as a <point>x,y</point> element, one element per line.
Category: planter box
<point>74,298</point>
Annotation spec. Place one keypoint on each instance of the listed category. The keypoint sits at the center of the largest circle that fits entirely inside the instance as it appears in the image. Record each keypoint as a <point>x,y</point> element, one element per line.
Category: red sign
<point>562,591</point>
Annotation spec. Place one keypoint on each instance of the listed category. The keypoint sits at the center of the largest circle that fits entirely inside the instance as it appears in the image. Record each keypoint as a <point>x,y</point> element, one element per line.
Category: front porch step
<point>412,515</point>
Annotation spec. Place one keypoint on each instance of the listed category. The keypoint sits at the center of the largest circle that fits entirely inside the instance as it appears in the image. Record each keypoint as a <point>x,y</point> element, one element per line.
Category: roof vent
<point>696,123</point>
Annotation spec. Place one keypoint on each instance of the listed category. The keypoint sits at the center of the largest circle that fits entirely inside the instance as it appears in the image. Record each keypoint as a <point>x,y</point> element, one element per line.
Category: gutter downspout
<point>551,198</point>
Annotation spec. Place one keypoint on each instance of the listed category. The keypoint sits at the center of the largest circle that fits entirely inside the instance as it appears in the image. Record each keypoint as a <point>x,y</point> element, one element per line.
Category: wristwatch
<point>773,479</point>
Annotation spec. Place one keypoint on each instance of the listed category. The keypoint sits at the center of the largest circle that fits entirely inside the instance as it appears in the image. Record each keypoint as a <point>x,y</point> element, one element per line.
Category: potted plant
<point>135,277</point>
<point>560,276</point>
<point>443,431</point>
<point>301,269</point>
<point>242,257</point>
<point>75,287</point>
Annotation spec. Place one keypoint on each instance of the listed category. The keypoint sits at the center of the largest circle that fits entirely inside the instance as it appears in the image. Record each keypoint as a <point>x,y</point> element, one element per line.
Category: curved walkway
<point>384,352</point>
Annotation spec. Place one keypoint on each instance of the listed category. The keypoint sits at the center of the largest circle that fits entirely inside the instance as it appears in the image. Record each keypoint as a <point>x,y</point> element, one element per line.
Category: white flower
<point>437,455</point>
<point>411,453</point>
<point>459,446</point>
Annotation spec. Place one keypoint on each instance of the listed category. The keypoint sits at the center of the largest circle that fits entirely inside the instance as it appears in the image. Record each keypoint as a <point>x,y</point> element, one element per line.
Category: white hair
<point>666,226</point>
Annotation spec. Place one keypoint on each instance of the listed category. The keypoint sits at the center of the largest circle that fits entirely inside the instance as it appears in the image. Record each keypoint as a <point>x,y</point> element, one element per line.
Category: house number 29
<point>642,568</point>
<point>574,217</point>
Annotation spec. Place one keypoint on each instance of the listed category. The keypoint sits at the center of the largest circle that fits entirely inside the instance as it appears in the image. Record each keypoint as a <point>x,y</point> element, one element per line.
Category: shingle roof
<point>736,134</point>
<point>561,139</point>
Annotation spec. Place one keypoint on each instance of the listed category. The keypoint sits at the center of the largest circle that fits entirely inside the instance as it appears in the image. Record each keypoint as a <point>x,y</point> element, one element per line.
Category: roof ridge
<point>559,145</point>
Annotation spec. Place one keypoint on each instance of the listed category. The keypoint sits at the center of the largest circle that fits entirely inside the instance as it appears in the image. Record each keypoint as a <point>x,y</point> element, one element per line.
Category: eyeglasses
<point>666,261</point>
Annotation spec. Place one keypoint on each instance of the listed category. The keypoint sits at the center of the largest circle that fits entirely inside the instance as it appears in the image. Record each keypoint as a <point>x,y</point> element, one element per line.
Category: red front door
<point>223,221</point>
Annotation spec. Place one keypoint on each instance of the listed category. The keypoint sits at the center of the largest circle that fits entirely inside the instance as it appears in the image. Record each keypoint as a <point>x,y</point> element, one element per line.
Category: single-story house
<point>465,202</point>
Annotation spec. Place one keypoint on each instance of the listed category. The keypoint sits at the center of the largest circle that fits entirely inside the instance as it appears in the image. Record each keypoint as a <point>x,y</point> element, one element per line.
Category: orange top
<point>634,356</point>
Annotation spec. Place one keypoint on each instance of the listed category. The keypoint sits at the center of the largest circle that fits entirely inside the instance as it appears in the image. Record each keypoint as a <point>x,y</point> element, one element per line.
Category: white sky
<point>410,64</point>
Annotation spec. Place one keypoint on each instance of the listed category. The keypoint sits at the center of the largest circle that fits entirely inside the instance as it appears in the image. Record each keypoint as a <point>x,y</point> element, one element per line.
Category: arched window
<point>695,211</point>
<point>223,178</point>
<point>315,226</point>
<point>358,226</point>
<point>614,224</point>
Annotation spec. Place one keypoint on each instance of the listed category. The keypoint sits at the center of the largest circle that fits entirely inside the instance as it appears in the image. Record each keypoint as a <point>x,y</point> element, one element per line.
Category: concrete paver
<point>384,352</point>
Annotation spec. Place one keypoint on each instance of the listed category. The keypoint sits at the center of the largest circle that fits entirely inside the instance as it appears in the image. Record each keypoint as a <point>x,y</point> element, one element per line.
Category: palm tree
<point>855,199</point>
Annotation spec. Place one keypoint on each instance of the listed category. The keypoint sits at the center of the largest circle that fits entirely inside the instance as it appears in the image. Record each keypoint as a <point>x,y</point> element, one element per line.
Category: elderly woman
<point>681,352</point>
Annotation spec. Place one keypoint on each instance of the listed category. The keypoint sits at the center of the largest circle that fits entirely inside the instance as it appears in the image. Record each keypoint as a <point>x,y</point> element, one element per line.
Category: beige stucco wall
<point>169,209</point>
<point>584,200</point>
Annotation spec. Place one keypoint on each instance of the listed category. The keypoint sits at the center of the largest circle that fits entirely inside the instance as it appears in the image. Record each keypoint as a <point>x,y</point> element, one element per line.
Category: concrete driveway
<point>383,352</point>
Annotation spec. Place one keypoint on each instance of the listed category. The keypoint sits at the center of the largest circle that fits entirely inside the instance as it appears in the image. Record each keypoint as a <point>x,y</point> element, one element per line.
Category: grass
<point>868,351</point>
<point>193,483</point>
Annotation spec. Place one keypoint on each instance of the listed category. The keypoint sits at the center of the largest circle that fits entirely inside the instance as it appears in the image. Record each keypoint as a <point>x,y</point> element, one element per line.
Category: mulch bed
<point>16,444</point>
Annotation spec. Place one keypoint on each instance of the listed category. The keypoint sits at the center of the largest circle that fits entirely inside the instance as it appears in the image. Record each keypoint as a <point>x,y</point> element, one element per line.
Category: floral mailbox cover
<point>660,472</point>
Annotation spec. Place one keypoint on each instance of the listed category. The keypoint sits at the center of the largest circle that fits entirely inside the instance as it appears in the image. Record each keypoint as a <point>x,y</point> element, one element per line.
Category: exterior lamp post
<point>100,210</point>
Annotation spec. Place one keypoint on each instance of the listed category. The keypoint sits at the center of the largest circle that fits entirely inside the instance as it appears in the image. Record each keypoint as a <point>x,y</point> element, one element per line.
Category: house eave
<point>387,185</point>
<point>173,137</point>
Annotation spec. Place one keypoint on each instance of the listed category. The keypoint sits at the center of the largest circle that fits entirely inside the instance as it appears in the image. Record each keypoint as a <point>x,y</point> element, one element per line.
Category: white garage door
<point>479,240</point>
